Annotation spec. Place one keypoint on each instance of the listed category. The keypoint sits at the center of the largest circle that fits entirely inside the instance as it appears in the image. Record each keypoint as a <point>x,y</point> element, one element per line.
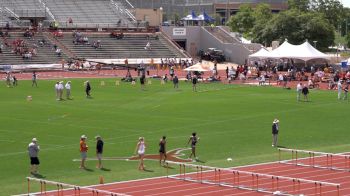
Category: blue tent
<point>207,18</point>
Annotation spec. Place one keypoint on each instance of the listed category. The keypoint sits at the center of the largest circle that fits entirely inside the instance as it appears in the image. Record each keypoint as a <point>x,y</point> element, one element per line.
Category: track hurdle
<point>61,188</point>
<point>253,181</point>
<point>316,159</point>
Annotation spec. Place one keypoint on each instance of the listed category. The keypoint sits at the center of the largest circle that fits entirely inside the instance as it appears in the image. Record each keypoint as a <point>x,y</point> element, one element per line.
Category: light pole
<point>160,16</point>
<point>315,43</point>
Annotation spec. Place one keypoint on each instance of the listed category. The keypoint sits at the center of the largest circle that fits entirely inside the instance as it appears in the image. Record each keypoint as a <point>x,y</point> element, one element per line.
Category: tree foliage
<point>297,27</point>
<point>243,21</point>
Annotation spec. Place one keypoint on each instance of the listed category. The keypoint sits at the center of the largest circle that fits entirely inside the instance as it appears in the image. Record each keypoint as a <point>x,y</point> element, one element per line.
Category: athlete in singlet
<point>162,150</point>
<point>141,149</point>
<point>193,140</point>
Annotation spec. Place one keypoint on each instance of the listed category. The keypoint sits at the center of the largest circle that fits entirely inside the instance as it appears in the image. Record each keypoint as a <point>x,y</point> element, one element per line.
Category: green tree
<point>297,27</point>
<point>348,40</point>
<point>262,15</point>
<point>243,21</point>
<point>301,5</point>
<point>333,10</point>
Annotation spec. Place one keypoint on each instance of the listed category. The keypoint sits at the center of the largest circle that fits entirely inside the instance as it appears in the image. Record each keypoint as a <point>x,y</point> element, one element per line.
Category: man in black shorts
<point>142,81</point>
<point>194,83</point>
<point>162,150</point>
<point>33,150</point>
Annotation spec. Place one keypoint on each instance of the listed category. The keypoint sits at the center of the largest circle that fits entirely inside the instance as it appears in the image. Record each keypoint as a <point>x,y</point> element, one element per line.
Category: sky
<point>346,3</point>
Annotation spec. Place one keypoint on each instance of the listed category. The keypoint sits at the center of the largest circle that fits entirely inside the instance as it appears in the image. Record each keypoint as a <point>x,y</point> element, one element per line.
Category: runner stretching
<point>141,149</point>
<point>162,150</point>
<point>193,139</point>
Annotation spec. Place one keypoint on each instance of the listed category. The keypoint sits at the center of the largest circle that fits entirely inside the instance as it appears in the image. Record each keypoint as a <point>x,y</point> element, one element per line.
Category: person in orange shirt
<point>83,151</point>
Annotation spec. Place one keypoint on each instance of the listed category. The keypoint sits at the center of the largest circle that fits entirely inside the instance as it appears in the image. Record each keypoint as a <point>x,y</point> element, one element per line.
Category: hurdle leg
<point>28,186</point>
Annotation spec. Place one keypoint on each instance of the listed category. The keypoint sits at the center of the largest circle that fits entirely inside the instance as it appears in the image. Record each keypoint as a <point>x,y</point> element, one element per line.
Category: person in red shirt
<point>83,151</point>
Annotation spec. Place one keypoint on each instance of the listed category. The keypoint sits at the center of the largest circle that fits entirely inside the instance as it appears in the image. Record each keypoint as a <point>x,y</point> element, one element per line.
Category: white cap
<point>83,137</point>
<point>34,140</point>
<point>276,121</point>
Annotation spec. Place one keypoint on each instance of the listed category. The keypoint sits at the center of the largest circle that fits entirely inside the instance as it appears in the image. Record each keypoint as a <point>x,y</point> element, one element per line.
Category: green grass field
<point>231,120</point>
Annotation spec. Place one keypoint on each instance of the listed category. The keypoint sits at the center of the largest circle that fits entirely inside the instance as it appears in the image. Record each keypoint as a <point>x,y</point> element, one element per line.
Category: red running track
<point>169,186</point>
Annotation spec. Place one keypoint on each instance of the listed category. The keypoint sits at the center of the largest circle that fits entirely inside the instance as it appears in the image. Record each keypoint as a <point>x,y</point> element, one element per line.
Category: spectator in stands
<point>83,151</point>
<point>280,79</point>
<point>58,52</point>
<point>33,150</point>
<point>70,21</point>
<point>7,26</point>
<point>148,46</point>
<point>99,151</point>
<point>85,40</point>
<point>311,84</point>
<point>176,82</point>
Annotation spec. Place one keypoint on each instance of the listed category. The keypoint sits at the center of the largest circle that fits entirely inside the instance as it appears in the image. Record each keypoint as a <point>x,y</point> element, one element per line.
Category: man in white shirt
<point>68,87</point>
<point>57,91</point>
<point>299,88</point>
<point>60,90</point>
<point>340,88</point>
<point>33,150</point>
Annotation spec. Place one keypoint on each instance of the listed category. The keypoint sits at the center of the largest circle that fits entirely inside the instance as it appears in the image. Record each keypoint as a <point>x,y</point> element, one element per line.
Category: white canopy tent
<point>302,52</point>
<point>261,54</point>
<point>197,67</point>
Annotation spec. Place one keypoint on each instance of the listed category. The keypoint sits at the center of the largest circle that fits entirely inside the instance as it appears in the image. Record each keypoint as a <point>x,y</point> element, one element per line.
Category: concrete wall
<point>193,40</point>
<point>197,38</point>
<point>153,16</point>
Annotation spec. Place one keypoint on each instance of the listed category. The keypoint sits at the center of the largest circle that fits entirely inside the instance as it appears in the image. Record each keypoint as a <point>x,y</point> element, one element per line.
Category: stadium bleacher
<point>45,54</point>
<point>87,13</point>
<point>131,46</point>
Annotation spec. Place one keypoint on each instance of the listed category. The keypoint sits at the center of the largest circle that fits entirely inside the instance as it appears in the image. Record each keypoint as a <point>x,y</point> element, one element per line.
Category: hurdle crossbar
<point>75,187</point>
<point>313,152</point>
<point>329,161</point>
<point>256,174</point>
